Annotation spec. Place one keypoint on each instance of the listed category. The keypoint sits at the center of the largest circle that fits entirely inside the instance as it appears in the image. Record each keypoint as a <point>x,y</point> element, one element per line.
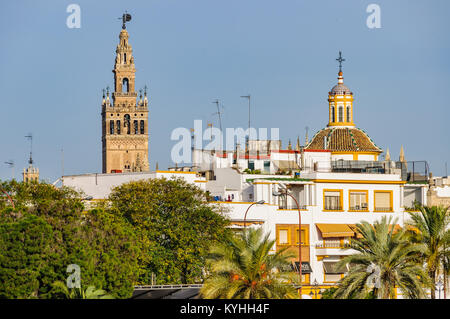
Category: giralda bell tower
<point>125,118</point>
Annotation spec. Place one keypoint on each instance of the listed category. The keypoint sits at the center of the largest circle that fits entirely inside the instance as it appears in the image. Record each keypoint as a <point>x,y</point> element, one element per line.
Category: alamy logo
<point>374,278</point>
<point>74,19</point>
<point>74,280</point>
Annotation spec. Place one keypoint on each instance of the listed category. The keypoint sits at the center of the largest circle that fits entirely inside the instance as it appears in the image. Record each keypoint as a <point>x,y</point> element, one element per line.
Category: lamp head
<point>261,202</point>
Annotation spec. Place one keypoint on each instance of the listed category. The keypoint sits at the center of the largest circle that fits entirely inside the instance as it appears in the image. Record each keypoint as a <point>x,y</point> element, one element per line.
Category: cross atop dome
<point>340,60</point>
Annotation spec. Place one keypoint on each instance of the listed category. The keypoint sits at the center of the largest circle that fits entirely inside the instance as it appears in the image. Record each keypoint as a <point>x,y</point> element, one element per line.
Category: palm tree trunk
<point>433,284</point>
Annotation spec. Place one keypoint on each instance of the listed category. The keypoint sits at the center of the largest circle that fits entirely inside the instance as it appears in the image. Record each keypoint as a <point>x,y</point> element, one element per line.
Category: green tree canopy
<point>176,222</point>
<point>390,251</point>
<point>49,230</point>
<point>430,227</point>
<point>243,268</point>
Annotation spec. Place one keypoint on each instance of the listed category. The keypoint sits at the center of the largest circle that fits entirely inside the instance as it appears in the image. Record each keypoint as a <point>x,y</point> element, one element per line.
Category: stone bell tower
<point>125,118</point>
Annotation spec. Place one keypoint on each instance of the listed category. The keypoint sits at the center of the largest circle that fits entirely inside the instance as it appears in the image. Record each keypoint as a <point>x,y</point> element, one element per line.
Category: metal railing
<point>333,244</point>
<point>303,207</point>
<point>332,207</point>
<point>359,207</point>
<point>382,209</point>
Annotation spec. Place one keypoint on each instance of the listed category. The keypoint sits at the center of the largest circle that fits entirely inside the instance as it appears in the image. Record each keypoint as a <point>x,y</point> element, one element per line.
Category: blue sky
<point>190,52</point>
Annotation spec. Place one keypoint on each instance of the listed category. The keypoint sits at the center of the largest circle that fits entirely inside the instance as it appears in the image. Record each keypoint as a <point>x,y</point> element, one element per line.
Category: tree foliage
<point>49,230</point>
<point>177,223</point>
<point>397,258</point>
<point>430,227</point>
<point>243,268</point>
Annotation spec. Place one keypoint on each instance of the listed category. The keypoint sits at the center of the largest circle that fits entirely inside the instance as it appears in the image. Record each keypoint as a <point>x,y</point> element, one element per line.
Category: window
<point>126,123</point>
<point>358,200</point>
<point>125,88</point>
<point>332,199</point>
<point>383,201</point>
<point>303,236</point>
<point>283,236</point>
<point>341,115</point>
<point>266,166</point>
<point>111,127</point>
<point>136,129</point>
<point>331,274</point>
<point>333,116</point>
<point>142,127</point>
<point>251,165</point>
<point>348,113</point>
<point>118,126</point>
<point>125,58</point>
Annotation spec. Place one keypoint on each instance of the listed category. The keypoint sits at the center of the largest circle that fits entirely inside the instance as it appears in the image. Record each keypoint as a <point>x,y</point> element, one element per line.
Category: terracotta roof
<point>343,139</point>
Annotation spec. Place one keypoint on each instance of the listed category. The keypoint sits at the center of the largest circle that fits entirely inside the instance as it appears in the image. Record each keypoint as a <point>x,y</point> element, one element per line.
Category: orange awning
<point>335,230</point>
<point>355,229</point>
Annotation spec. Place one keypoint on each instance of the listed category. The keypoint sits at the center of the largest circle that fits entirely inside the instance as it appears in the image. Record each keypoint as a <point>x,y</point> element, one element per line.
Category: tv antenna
<point>248,97</point>
<point>216,101</point>
<point>30,138</point>
<point>10,163</point>
<point>306,135</point>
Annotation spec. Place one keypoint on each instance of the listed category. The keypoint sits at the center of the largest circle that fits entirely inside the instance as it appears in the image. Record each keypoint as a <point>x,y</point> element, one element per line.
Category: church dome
<point>342,139</point>
<point>340,89</point>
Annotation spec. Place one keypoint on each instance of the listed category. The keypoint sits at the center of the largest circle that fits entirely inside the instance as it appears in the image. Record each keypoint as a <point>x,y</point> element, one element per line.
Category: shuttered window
<point>283,237</point>
<point>383,201</point>
<point>332,200</point>
<point>358,201</point>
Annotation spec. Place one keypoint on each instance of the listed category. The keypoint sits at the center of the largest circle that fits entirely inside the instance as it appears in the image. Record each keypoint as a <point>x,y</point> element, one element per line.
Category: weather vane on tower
<point>125,18</point>
<point>340,60</point>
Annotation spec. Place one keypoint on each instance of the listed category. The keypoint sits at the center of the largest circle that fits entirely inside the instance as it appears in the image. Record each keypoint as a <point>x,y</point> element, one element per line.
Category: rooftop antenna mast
<point>248,97</point>
<point>10,163</point>
<point>30,138</point>
<point>306,135</point>
<point>218,112</point>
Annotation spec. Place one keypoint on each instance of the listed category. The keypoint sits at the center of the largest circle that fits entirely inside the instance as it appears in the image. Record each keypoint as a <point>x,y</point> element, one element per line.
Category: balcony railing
<point>332,207</point>
<point>333,244</point>
<point>303,207</point>
<point>382,209</point>
<point>360,207</point>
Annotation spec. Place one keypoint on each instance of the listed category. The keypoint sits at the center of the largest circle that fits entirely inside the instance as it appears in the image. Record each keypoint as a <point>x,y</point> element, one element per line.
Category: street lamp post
<point>276,193</point>
<point>315,294</point>
<point>245,216</point>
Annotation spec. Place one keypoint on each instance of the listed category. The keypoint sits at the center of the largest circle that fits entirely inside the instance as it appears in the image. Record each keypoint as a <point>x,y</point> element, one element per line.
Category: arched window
<point>341,115</point>
<point>111,127</point>
<point>135,126</point>
<point>118,127</point>
<point>125,58</point>
<point>142,127</point>
<point>333,117</point>
<point>125,86</point>
<point>126,123</point>
<point>348,113</point>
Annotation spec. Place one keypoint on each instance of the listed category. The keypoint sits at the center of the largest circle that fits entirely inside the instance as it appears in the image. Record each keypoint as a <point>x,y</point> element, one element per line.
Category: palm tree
<point>431,225</point>
<point>242,268</point>
<point>395,259</point>
<point>78,293</point>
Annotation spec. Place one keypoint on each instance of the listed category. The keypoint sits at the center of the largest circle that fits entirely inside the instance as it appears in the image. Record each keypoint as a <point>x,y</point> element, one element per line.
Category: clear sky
<point>189,53</point>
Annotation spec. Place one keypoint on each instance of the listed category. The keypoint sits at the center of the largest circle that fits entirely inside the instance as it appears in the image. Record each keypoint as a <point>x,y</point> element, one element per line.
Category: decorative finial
<point>340,60</point>
<point>140,94</point>
<point>103,90</point>
<point>107,90</point>
<point>145,90</point>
